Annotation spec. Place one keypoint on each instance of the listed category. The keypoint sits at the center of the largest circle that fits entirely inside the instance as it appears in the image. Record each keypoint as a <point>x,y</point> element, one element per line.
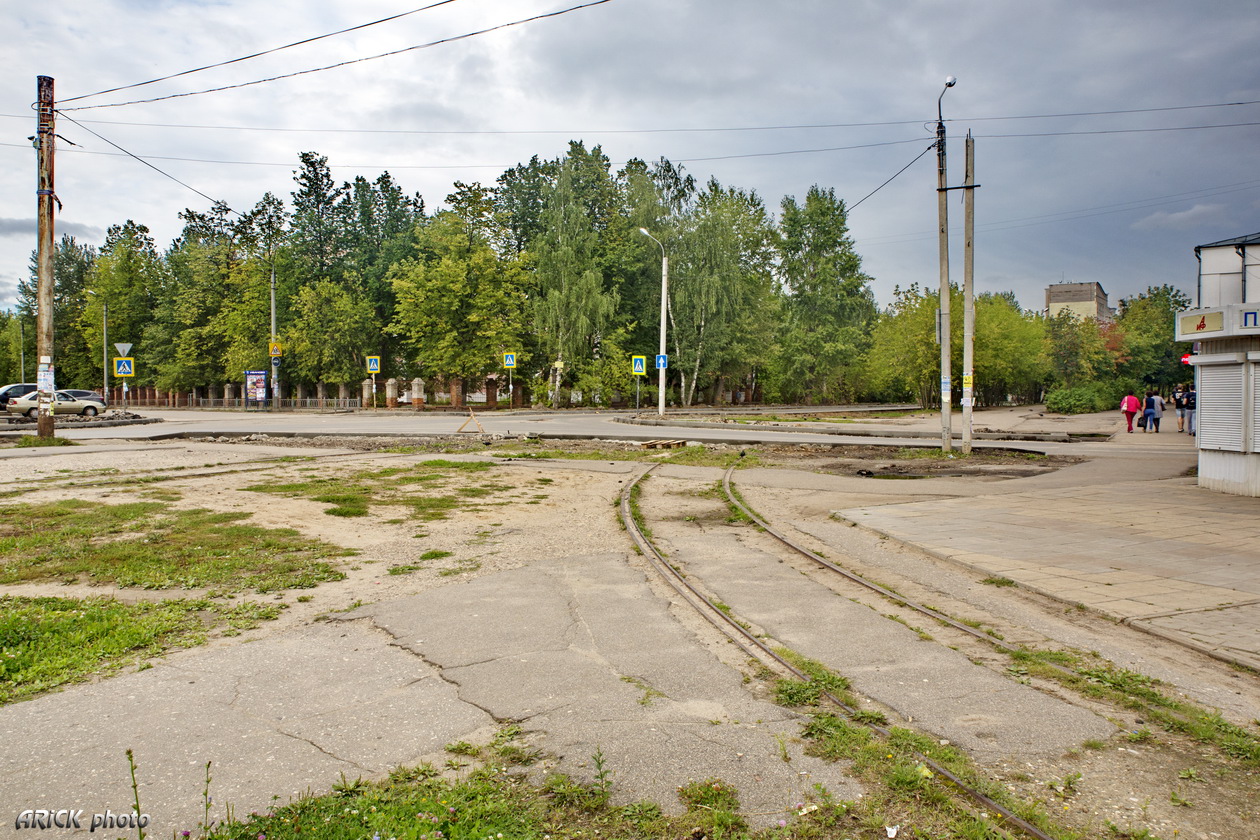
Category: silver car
<point>64,403</point>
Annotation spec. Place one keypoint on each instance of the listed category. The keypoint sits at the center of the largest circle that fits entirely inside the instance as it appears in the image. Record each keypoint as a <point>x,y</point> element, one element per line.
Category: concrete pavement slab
<point>277,717</point>
<point>585,657</point>
<point>939,689</point>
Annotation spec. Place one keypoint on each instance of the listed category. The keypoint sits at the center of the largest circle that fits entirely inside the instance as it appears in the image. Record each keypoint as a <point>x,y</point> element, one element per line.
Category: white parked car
<point>64,403</point>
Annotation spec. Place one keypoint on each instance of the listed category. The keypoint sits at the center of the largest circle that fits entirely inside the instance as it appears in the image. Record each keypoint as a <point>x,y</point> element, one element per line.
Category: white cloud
<point>671,64</point>
<point>1200,215</point>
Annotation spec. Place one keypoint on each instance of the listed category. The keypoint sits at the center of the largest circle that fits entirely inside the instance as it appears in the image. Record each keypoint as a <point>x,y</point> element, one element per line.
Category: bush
<point>1087,398</point>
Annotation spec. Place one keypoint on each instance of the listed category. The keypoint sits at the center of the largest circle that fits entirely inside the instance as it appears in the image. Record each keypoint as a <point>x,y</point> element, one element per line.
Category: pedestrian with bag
<point>1130,406</point>
<point>1153,410</point>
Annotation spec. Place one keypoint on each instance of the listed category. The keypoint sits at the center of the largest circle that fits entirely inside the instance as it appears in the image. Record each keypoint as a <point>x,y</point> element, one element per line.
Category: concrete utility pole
<point>942,212</point>
<point>660,373</point>
<point>44,138</point>
<point>969,303</point>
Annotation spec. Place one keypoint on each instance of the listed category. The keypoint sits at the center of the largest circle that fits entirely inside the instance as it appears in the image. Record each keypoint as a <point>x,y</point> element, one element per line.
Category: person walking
<point>1130,406</point>
<point>1153,410</point>
<point>1191,401</point>
<point>1179,403</point>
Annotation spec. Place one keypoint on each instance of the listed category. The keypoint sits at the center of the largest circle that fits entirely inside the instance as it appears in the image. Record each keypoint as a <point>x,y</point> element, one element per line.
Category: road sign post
<point>374,367</point>
<point>638,367</point>
<point>275,351</point>
<point>509,362</point>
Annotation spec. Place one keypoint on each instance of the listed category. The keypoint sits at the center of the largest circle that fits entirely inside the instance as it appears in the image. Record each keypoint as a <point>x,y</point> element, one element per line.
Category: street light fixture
<point>660,370</point>
<point>943,312</point>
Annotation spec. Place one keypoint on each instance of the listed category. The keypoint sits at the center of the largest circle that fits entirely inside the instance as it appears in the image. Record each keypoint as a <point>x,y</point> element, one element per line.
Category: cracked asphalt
<point>577,648</point>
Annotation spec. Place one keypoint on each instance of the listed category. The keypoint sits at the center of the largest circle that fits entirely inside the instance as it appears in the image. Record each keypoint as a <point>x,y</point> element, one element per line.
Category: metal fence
<point>312,404</point>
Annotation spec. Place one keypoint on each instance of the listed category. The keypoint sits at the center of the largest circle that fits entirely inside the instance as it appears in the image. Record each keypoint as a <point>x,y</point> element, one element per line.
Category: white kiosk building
<point>1226,325</point>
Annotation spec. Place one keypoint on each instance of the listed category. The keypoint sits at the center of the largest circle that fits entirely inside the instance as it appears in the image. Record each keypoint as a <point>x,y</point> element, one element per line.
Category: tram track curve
<point>725,621</point>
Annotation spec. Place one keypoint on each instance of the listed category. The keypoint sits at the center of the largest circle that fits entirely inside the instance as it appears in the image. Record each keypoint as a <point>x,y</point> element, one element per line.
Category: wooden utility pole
<point>969,302</point>
<point>44,142</point>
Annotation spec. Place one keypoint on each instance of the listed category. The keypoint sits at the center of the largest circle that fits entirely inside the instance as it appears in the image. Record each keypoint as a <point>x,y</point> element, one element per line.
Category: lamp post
<point>660,385</point>
<point>943,313</point>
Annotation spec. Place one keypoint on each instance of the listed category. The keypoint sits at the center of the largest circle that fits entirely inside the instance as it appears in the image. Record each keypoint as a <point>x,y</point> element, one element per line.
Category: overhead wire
<point>261,53</point>
<point>349,62</point>
<point>930,147</point>
<point>146,163</point>
<point>666,130</point>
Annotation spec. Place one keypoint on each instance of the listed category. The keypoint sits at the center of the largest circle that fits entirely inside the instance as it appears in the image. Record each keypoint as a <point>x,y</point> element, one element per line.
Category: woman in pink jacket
<point>1130,405</point>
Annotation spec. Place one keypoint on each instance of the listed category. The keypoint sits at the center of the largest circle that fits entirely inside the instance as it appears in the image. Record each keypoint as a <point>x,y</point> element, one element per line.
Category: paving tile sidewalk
<point>1163,555</point>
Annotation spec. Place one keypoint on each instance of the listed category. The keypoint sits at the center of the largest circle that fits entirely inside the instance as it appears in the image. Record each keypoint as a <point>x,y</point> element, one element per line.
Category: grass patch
<point>405,569</point>
<point>149,545</point>
<point>649,693</point>
<point>1098,679</point>
<point>462,466</point>
<point>51,642</point>
<point>29,441</point>
<point>460,568</point>
<point>694,456</point>
<point>900,786</point>
<point>435,554</point>
<point>998,580</point>
<point>416,803</point>
<point>408,487</point>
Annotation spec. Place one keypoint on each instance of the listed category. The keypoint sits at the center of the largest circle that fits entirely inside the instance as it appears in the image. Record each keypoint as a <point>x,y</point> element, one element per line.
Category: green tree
<point>131,278</point>
<point>1148,322</point>
<point>76,363</point>
<point>904,359</point>
<point>828,300</point>
<point>520,199</point>
<point>723,273</point>
<point>1008,351</point>
<point>331,332</point>
<point>462,305</point>
<point>571,308</point>
<point>1076,350</point>
<point>319,220</point>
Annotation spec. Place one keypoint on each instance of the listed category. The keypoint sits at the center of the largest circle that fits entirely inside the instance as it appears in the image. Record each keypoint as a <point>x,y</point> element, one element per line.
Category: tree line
<point>551,263</point>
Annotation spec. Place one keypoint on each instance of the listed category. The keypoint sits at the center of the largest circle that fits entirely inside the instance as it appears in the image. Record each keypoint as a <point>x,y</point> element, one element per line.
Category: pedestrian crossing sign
<point>274,349</point>
<point>124,366</point>
<point>638,365</point>
<point>509,360</point>
<point>373,364</point>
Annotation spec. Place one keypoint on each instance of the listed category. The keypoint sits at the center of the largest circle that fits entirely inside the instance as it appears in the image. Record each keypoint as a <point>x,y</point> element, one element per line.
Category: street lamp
<point>660,370</point>
<point>943,220</point>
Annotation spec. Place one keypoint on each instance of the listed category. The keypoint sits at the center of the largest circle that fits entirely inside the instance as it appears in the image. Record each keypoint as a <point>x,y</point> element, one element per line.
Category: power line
<point>259,54</point>
<point>438,42</point>
<point>1072,215</point>
<point>146,163</point>
<point>1109,113</point>
<point>930,147</point>
<point>674,130</point>
<point>471,165</point>
<point>1120,131</point>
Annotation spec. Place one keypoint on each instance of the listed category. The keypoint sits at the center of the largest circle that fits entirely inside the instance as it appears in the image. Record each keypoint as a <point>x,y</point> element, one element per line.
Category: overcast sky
<point>761,95</point>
